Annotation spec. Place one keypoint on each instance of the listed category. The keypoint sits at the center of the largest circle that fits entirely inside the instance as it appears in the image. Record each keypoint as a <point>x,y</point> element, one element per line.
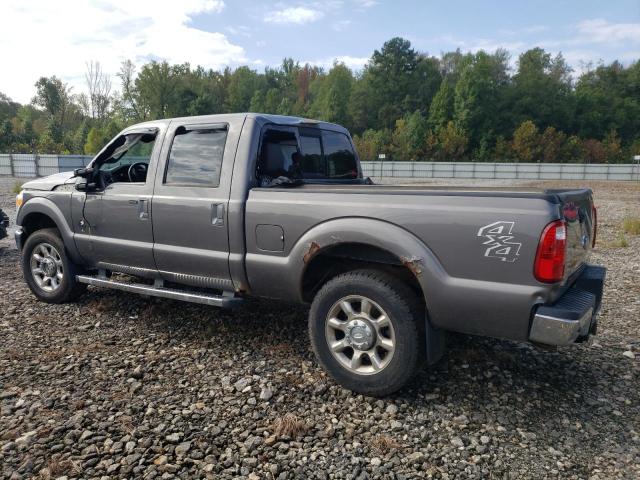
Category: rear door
<point>190,204</point>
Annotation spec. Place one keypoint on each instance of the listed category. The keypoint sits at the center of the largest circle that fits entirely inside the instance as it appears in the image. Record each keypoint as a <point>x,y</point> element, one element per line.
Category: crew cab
<point>216,208</point>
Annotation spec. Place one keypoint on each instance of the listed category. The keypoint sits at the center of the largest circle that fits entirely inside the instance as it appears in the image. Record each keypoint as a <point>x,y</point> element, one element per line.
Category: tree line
<point>405,104</point>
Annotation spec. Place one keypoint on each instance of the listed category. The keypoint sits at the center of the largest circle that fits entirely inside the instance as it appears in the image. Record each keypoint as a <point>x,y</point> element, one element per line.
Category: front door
<point>117,215</point>
<point>190,204</point>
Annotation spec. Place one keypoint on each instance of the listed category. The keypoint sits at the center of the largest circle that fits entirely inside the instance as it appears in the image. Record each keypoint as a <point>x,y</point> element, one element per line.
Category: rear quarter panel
<point>467,287</point>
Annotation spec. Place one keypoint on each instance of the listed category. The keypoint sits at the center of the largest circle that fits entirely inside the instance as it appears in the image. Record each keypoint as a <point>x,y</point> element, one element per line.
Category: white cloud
<point>294,15</point>
<point>598,30</point>
<point>489,45</point>
<point>241,30</point>
<point>43,38</point>
<point>354,63</point>
<point>366,3</point>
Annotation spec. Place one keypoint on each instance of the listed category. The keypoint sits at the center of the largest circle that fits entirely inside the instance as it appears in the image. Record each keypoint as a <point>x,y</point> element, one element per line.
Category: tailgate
<point>578,211</point>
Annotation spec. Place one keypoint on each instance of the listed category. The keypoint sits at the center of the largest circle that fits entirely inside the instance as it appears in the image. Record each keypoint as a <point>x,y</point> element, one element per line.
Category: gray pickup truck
<point>213,209</point>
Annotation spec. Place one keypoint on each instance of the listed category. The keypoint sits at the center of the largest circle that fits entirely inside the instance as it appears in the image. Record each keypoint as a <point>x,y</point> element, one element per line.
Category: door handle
<point>143,209</point>
<point>217,214</point>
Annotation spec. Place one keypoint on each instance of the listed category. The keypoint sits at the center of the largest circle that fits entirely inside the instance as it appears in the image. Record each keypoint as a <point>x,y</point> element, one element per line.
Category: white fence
<point>32,165</point>
<point>513,171</point>
<point>37,165</point>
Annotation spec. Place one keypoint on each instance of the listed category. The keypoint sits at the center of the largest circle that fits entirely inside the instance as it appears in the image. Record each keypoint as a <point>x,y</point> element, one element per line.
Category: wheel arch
<point>332,260</point>
<point>38,213</point>
<point>365,240</point>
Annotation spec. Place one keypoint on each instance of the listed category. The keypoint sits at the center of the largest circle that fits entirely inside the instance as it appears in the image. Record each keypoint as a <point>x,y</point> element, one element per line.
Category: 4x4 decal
<point>499,240</point>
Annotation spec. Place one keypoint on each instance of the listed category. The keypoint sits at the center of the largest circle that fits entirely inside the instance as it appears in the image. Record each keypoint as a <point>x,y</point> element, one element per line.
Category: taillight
<point>594,219</point>
<point>552,249</point>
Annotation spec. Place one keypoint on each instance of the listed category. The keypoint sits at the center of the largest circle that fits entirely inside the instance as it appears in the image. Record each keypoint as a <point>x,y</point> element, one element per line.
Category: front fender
<point>45,206</point>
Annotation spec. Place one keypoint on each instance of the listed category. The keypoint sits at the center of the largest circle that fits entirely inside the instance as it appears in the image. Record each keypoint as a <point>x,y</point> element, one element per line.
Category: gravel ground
<point>118,386</point>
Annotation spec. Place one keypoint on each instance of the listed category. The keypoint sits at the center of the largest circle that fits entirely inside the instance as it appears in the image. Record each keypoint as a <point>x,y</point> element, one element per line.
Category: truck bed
<point>451,222</point>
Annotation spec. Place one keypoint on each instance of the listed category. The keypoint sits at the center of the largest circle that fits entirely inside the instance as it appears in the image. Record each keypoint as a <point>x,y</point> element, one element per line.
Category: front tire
<point>48,270</point>
<point>364,329</point>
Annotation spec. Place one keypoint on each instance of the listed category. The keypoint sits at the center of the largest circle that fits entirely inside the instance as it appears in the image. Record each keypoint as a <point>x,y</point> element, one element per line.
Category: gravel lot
<point>118,386</point>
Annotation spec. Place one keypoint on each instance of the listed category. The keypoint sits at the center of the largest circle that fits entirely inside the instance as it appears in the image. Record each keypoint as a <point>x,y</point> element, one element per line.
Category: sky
<point>45,37</point>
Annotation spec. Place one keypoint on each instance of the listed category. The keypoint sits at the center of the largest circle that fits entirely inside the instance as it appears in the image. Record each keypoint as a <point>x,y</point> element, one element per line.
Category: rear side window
<point>341,162</point>
<point>312,161</point>
<point>195,158</point>
<point>327,154</point>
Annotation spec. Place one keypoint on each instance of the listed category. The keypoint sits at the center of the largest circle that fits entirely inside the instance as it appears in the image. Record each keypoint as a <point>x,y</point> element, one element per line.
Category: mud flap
<point>436,340</point>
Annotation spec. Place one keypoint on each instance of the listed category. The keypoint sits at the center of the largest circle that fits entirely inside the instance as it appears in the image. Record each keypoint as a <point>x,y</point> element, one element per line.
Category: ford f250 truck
<point>215,208</point>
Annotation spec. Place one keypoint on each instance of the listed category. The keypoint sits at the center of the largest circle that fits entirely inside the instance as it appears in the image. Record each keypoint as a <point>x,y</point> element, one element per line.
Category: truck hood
<point>50,182</point>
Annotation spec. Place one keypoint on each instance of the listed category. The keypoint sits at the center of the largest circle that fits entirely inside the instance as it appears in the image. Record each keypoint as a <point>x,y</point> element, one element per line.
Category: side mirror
<point>83,172</point>
<point>85,187</point>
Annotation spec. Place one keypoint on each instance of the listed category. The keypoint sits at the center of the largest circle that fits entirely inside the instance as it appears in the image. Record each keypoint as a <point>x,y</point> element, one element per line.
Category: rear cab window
<point>313,155</point>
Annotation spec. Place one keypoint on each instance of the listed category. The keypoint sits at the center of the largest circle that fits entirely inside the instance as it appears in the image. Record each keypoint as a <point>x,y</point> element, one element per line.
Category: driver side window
<point>129,161</point>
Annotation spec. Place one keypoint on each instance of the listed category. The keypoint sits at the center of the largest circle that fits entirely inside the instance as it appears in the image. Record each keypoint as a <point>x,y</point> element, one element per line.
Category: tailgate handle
<point>217,214</point>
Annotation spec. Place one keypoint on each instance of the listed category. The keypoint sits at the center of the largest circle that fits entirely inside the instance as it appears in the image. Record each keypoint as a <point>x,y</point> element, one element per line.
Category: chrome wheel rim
<point>360,335</point>
<point>46,267</point>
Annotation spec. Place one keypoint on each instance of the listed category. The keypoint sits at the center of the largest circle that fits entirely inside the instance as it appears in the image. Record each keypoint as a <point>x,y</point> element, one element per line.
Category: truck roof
<point>262,118</point>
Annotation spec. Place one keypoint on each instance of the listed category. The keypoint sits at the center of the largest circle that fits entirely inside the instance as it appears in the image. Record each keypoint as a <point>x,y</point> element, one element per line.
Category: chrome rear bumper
<point>573,317</point>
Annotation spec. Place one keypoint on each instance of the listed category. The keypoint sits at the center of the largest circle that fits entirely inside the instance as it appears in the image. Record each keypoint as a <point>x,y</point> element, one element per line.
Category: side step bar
<point>226,300</point>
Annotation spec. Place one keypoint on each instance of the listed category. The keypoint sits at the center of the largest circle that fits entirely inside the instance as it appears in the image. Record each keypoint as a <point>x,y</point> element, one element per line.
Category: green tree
<point>52,95</point>
<point>243,84</point>
<point>542,91</point>
<point>99,137</point>
<point>573,150</point>
<point>155,89</point>
<point>6,135</point>
<point>552,145</point>
<point>613,147</point>
<point>526,142</point>
<point>477,96</point>
<point>331,103</point>
<point>441,110</point>
<point>409,137</point>
<point>448,143</point>
<point>608,98</point>
<point>362,104</point>
<point>393,70</point>
<point>453,142</point>
<point>372,143</point>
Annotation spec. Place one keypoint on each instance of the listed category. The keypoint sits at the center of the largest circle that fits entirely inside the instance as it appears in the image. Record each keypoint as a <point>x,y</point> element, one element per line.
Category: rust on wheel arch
<point>414,264</point>
<point>313,249</point>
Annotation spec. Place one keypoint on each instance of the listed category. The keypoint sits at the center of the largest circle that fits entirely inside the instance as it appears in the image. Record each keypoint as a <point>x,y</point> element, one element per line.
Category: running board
<point>226,300</point>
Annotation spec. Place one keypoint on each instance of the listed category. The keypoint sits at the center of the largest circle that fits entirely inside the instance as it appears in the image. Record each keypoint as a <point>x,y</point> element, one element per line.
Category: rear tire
<point>364,329</point>
<point>48,270</point>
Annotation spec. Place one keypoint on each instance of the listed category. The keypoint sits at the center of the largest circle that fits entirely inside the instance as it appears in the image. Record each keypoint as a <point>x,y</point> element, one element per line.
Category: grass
<point>17,187</point>
<point>288,425</point>
<point>620,242</point>
<point>631,226</point>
